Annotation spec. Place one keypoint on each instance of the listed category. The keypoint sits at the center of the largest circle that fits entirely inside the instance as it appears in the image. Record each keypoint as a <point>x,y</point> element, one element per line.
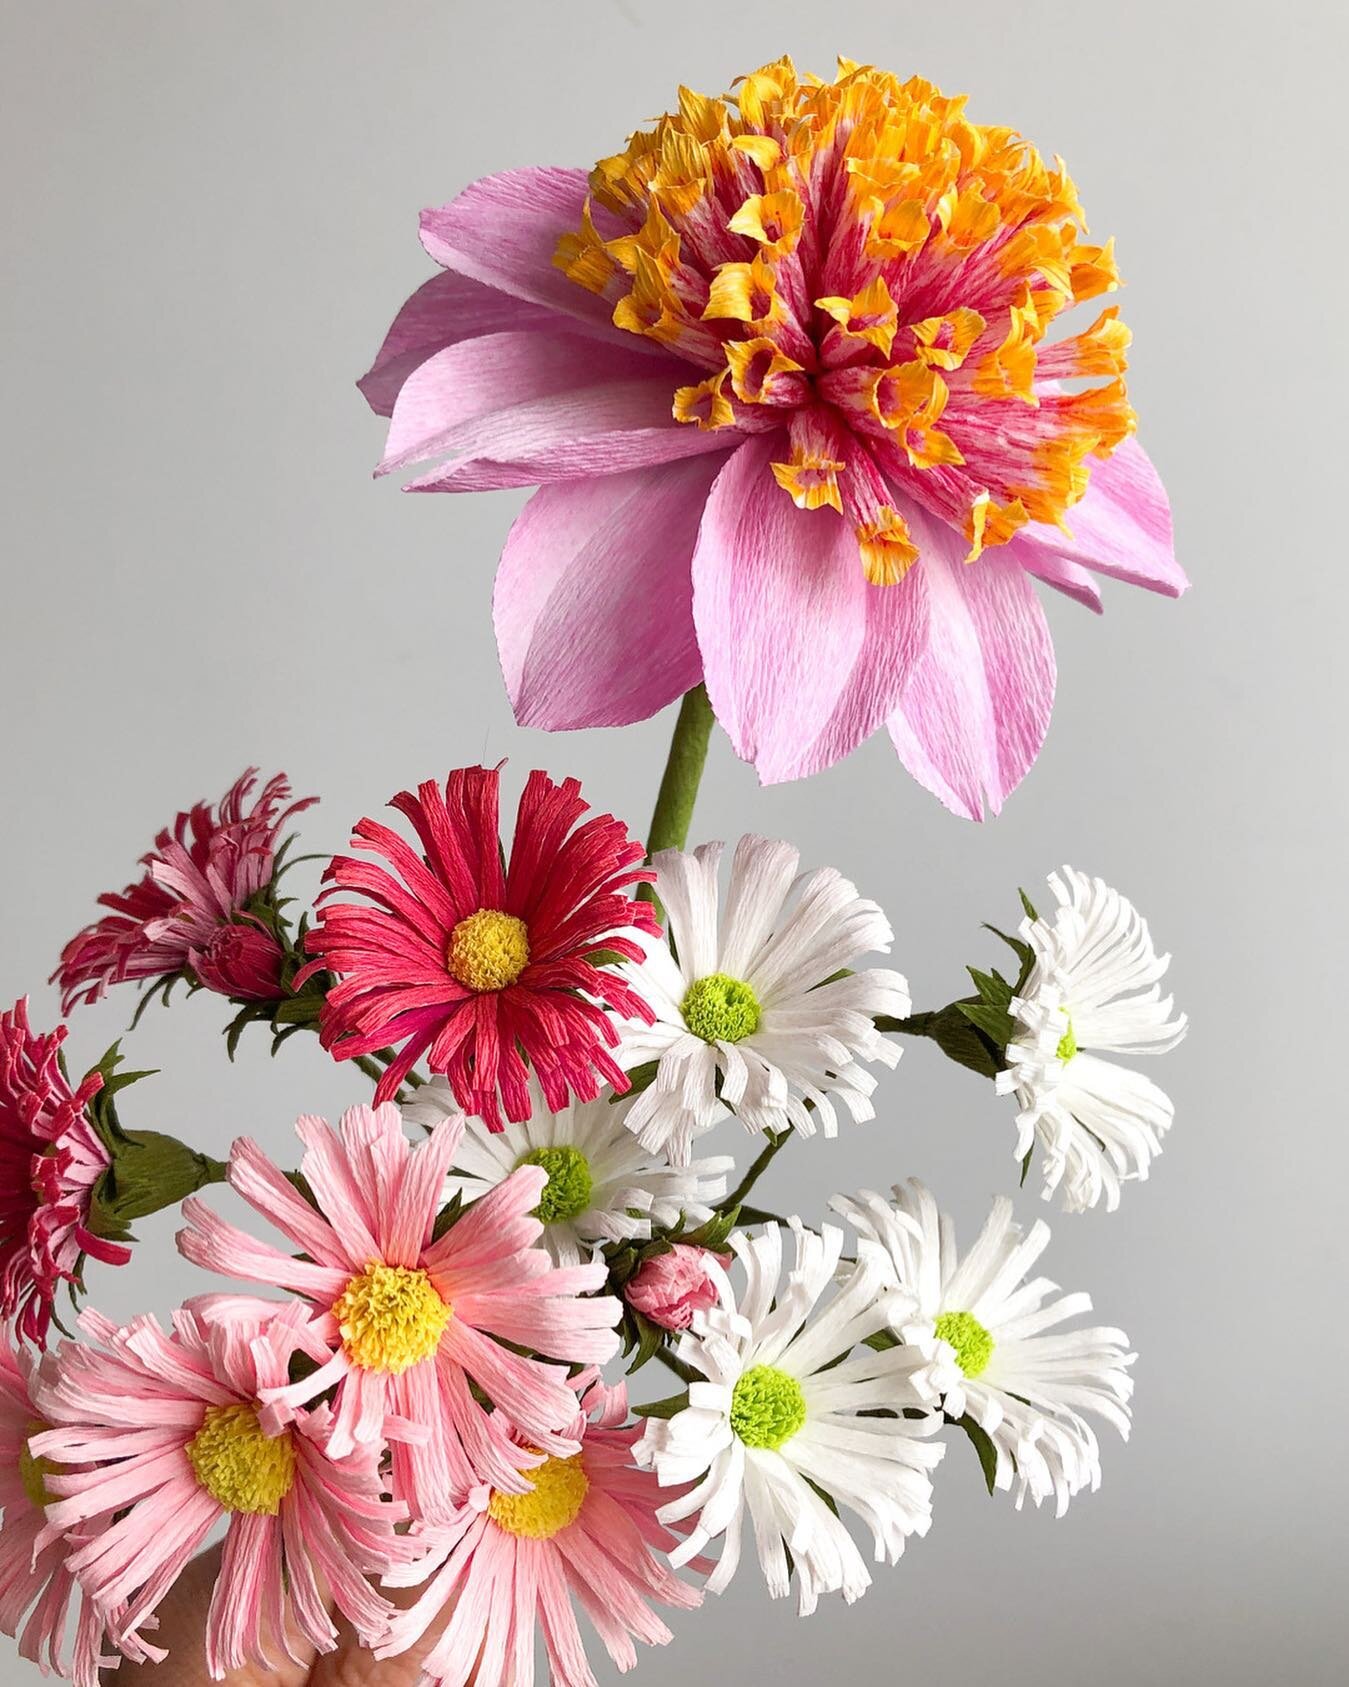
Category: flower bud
<point>244,961</point>
<point>669,1288</point>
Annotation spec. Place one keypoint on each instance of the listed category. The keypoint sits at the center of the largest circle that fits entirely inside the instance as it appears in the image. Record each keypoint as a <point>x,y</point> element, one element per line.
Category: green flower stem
<point>684,1372</point>
<point>679,783</point>
<point>756,1171</point>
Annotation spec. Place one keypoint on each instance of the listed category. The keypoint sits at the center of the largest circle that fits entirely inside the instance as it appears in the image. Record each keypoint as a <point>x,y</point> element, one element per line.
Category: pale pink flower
<point>51,1157</point>
<point>406,1320</point>
<point>781,369</point>
<point>201,873</point>
<point>512,1564</point>
<point>671,1287</point>
<point>35,1582</point>
<point>162,1436</point>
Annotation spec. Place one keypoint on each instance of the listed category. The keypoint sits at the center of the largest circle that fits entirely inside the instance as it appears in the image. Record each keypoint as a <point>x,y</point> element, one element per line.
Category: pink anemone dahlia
<point>37,1591</point>
<point>485,968</point>
<point>156,1437</point>
<point>51,1157</point>
<point>411,1324</point>
<point>511,1564</point>
<point>202,872</point>
<point>781,370</point>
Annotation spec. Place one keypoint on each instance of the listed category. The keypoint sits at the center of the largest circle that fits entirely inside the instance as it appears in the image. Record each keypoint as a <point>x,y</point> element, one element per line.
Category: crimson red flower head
<point>202,870</point>
<point>50,1159</point>
<point>482,967</point>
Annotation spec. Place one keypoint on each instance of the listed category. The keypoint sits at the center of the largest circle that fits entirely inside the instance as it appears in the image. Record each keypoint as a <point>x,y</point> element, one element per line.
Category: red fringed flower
<point>483,968</point>
<point>200,873</point>
<point>50,1159</point>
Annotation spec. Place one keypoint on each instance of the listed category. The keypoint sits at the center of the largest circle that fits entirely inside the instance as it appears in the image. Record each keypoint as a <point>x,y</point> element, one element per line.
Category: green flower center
<point>33,1473</point>
<point>720,1009</point>
<point>767,1407</point>
<point>972,1342</point>
<point>1068,1041</point>
<point>568,1189</point>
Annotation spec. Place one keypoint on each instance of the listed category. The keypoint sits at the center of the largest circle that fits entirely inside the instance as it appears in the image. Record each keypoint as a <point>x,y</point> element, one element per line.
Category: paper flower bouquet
<point>784,370</point>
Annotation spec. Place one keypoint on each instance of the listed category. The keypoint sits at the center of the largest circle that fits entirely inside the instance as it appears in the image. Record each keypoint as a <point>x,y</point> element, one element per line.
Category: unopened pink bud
<point>670,1288</point>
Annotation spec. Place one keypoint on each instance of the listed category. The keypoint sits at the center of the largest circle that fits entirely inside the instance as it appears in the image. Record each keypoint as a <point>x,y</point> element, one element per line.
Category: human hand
<point>182,1624</point>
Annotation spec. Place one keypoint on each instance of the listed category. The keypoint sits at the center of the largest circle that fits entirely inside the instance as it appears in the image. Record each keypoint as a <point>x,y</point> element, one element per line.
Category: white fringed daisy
<point>1026,1388</point>
<point>777,1421</point>
<point>751,1017</point>
<point>603,1186</point>
<point>1094,987</point>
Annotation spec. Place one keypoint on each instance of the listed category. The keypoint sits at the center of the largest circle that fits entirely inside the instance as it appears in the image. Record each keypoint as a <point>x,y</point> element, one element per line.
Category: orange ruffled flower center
<point>858,264</point>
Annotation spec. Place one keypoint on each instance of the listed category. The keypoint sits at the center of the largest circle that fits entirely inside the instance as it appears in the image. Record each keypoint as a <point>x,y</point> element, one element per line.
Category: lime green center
<point>241,1468</point>
<point>1067,1042</point>
<point>767,1407</point>
<point>720,1009</point>
<point>972,1342</point>
<point>567,1191</point>
<point>33,1473</point>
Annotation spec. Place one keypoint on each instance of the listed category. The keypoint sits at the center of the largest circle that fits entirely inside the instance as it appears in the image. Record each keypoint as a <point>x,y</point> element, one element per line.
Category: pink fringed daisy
<point>409,1324</point>
<point>201,872</point>
<point>50,1160</point>
<point>782,370</point>
<point>477,965</point>
<point>35,1582</point>
<point>514,1562</point>
<point>161,1437</point>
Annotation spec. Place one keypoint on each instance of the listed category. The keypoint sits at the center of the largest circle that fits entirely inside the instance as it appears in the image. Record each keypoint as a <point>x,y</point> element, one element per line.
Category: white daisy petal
<point>786,1038</point>
<point>798,1422</point>
<point>1028,1389</point>
<point>1094,987</point>
<point>603,1184</point>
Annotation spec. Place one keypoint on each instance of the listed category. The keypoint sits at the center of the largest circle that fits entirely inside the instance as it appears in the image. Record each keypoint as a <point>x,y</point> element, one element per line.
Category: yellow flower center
<point>560,1487</point>
<point>240,1467</point>
<point>882,274</point>
<point>391,1317</point>
<point>34,1471</point>
<point>489,950</point>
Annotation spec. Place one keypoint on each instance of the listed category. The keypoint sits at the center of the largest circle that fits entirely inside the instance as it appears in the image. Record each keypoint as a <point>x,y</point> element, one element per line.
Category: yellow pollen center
<point>240,1467</point>
<point>489,950</point>
<point>560,1488</point>
<point>391,1317</point>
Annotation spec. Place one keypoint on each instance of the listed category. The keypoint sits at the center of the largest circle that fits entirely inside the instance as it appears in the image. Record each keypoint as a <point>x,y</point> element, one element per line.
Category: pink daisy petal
<point>294,1518</point>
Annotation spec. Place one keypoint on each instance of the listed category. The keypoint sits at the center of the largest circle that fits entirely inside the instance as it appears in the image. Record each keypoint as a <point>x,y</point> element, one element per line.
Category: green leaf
<point>1025,1166</point>
<point>992,986</point>
<point>995,1022</point>
<point>670,1407</point>
<point>640,1078</point>
<point>988,1453</point>
<point>650,1340</point>
<point>1028,905</point>
<point>1022,950</point>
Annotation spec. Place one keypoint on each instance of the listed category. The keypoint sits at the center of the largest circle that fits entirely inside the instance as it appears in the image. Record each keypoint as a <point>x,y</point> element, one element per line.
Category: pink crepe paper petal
<point>1061,572</point>
<point>479,381</point>
<point>504,230</point>
<point>594,598</point>
<point>802,657</point>
<point>974,713</point>
<point>1122,527</point>
<point>443,311</point>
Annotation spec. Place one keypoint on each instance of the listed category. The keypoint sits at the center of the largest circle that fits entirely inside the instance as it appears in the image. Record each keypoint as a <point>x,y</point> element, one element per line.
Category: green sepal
<point>983,1445</point>
<point>149,1169</point>
<point>995,1022</point>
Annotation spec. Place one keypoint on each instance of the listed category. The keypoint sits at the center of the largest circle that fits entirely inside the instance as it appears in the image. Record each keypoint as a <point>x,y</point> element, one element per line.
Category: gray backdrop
<point>211,216</point>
